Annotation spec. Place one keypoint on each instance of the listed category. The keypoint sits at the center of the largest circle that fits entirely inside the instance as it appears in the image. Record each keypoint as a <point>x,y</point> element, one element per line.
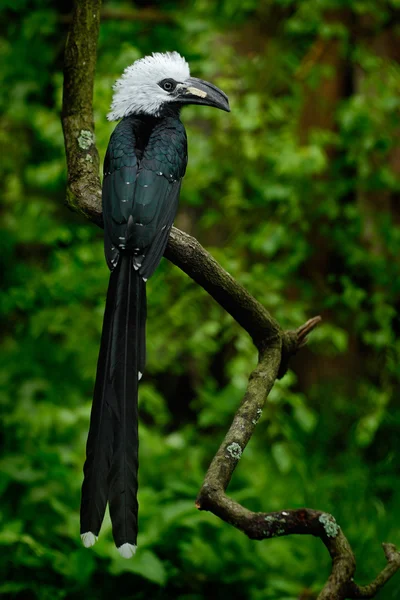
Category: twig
<point>275,345</point>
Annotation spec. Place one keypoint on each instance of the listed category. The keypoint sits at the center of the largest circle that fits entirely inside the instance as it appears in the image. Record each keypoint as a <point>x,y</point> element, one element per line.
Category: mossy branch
<point>83,185</point>
<point>275,346</point>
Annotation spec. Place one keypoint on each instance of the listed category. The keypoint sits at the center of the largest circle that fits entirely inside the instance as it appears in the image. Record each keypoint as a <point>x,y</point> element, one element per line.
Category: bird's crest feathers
<point>137,90</point>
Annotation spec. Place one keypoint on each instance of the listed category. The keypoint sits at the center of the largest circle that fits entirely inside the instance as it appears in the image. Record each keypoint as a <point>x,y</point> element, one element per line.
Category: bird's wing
<point>140,200</point>
<point>162,169</point>
<point>120,173</point>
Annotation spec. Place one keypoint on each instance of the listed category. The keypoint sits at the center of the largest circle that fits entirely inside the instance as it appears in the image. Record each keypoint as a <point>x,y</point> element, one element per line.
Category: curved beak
<point>197,91</point>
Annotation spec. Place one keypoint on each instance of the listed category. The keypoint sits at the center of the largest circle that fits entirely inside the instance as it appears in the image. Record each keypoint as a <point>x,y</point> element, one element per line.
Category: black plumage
<point>145,162</point>
<point>143,168</point>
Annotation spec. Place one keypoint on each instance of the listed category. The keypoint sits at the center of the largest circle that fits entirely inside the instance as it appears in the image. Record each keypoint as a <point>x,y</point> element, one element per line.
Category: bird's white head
<point>154,82</point>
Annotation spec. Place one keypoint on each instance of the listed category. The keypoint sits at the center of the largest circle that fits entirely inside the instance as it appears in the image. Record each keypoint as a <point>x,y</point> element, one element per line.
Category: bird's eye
<point>168,85</point>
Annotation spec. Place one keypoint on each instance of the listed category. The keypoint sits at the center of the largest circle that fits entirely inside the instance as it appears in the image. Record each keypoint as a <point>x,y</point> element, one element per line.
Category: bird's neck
<point>170,110</point>
<point>167,110</point>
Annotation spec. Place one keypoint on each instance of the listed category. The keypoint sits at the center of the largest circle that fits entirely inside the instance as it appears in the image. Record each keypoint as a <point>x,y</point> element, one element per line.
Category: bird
<point>143,169</point>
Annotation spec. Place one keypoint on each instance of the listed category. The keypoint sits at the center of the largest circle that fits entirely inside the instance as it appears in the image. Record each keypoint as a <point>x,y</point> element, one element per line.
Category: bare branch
<point>212,494</point>
<point>306,329</point>
<point>275,345</point>
<point>186,253</point>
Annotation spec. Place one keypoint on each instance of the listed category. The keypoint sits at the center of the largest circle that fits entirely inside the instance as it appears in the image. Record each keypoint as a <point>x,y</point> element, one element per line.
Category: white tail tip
<point>127,550</point>
<point>88,539</point>
<point>140,375</point>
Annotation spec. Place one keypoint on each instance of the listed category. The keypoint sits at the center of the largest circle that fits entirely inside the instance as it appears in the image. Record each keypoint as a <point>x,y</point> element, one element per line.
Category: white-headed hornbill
<point>143,169</point>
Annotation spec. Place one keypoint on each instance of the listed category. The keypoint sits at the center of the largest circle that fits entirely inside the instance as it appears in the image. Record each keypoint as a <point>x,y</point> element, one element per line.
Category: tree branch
<point>83,185</point>
<point>275,346</point>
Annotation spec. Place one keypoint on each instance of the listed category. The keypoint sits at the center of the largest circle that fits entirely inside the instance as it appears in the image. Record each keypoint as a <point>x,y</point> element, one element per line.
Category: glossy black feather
<point>145,162</point>
<point>123,379</point>
<point>142,331</point>
<point>100,438</point>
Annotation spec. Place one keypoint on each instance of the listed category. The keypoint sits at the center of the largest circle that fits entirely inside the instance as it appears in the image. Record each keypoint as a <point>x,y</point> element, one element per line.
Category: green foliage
<point>301,210</point>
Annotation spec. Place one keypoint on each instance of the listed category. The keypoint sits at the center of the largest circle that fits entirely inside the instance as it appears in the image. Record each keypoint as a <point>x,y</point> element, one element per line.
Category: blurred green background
<point>296,193</point>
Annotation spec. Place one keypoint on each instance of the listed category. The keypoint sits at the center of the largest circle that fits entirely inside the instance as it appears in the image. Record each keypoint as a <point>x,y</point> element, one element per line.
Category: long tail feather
<point>126,356</point>
<point>99,446</point>
<point>142,329</point>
